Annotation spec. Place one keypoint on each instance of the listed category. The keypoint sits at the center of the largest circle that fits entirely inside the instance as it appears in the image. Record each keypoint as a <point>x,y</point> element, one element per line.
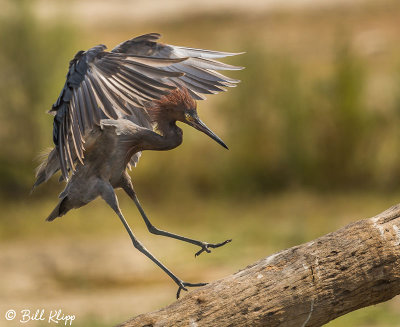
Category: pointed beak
<point>194,121</point>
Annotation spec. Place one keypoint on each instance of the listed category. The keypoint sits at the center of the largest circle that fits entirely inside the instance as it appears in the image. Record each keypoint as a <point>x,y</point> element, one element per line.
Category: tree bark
<point>306,285</point>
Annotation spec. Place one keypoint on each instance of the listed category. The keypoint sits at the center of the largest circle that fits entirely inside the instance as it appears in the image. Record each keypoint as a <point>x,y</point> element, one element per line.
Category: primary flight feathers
<point>103,84</point>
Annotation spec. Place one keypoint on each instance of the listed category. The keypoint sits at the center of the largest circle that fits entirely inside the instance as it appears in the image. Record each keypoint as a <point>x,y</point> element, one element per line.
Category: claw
<point>180,288</point>
<point>205,247</point>
<point>183,284</point>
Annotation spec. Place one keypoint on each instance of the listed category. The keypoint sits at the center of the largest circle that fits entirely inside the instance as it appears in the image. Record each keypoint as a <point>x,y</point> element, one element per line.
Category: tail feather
<point>49,166</point>
<point>60,210</point>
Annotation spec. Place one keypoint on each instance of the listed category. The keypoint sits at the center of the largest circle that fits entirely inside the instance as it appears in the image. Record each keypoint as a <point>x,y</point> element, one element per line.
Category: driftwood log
<point>307,285</point>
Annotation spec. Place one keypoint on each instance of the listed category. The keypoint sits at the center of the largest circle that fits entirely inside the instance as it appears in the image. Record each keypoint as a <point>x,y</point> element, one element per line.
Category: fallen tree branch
<point>307,285</point>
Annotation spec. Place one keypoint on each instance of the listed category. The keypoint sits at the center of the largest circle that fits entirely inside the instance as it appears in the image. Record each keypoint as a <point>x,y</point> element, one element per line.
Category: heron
<point>116,104</point>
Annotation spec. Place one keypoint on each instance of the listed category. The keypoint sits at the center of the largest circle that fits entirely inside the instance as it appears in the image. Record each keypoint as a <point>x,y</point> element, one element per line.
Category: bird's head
<point>178,105</point>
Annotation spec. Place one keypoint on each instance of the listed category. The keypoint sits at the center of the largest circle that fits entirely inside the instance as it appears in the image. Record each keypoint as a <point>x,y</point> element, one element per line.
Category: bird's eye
<point>189,117</point>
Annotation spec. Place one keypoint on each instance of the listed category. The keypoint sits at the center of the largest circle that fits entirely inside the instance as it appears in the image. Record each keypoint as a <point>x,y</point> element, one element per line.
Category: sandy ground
<point>103,278</point>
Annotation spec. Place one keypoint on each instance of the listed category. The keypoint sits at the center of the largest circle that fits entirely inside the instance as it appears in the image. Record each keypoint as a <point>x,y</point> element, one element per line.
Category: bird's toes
<point>221,244</point>
<point>183,286</point>
<point>206,247</point>
<point>180,288</point>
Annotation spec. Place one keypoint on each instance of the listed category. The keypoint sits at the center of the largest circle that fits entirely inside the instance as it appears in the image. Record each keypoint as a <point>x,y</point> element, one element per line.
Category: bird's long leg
<point>205,247</point>
<point>110,197</point>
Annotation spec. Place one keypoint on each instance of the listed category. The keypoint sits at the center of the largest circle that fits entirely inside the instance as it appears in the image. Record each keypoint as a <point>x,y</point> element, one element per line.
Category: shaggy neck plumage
<point>171,134</point>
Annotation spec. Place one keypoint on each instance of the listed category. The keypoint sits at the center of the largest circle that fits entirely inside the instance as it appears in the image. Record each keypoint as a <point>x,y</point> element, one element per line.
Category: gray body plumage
<point>109,148</point>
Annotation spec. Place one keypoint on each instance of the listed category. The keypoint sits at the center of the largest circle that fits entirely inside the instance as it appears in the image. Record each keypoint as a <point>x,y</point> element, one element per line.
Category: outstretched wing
<point>200,68</point>
<point>104,85</point>
<point>112,84</point>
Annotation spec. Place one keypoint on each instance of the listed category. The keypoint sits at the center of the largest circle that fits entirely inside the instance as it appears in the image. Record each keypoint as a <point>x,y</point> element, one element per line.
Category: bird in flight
<point>116,104</point>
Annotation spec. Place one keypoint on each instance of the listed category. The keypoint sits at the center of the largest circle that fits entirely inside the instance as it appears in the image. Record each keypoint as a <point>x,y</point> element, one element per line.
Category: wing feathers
<point>94,100</point>
<point>107,108</point>
<point>127,72</point>
<point>61,151</point>
<point>91,101</point>
<point>201,53</point>
<point>210,64</point>
<point>79,114</point>
<point>112,84</point>
<point>67,147</point>
<point>76,139</point>
<point>148,61</point>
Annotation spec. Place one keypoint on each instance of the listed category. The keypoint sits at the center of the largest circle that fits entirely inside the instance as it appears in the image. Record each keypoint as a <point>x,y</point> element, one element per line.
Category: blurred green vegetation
<point>287,126</point>
<point>32,57</point>
<point>294,132</point>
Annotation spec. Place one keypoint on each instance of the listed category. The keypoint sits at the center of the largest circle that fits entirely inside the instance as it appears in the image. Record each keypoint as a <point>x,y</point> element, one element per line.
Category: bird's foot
<point>205,247</point>
<point>183,285</point>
